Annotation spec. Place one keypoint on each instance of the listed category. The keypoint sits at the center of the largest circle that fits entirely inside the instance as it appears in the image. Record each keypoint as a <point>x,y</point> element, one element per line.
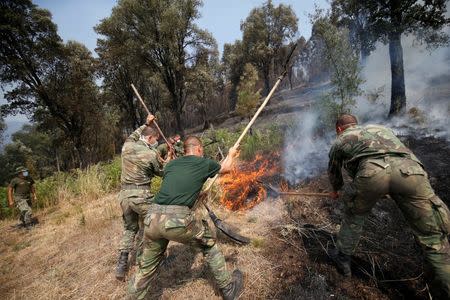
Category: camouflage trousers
<point>24,206</point>
<point>180,224</point>
<point>407,183</point>
<point>134,204</point>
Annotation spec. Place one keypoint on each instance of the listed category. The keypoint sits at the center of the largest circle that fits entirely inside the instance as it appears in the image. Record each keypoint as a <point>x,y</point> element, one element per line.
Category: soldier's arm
<point>335,168</point>
<point>137,133</point>
<point>10,196</point>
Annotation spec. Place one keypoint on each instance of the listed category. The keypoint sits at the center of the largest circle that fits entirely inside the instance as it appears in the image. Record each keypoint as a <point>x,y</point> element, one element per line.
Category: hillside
<point>72,253</point>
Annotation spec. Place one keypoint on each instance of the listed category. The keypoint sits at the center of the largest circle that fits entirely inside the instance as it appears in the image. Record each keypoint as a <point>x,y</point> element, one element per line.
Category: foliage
<point>345,69</point>
<point>387,22</point>
<point>163,36</point>
<point>265,31</point>
<point>262,140</point>
<point>248,96</point>
<point>2,129</point>
<point>88,184</point>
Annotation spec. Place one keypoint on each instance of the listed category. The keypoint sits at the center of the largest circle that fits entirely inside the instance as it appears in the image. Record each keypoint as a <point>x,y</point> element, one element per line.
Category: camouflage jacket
<point>163,149</point>
<point>140,162</point>
<point>358,143</point>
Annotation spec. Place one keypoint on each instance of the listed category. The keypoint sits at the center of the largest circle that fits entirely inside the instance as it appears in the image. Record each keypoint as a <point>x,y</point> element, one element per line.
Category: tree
<point>345,69</point>
<point>233,61</point>
<point>356,20</point>
<point>388,20</point>
<point>2,129</point>
<point>163,35</point>
<point>53,83</point>
<point>248,95</point>
<point>265,31</point>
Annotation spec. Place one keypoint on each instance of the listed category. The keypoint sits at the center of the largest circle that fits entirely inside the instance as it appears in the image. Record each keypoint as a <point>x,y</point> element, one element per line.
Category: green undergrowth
<point>85,184</point>
<point>263,140</point>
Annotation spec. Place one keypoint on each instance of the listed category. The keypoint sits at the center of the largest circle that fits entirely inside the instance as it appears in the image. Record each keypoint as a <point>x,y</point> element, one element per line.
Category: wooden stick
<point>154,121</point>
<point>303,194</point>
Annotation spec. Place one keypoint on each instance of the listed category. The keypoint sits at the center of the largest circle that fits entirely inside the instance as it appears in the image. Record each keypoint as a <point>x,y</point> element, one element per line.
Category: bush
<point>259,141</point>
<point>89,184</point>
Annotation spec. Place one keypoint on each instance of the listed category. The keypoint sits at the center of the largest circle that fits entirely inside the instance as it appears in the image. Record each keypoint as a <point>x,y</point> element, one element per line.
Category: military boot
<point>122,266</point>
<point>342,261</point>
<point>233,290</point>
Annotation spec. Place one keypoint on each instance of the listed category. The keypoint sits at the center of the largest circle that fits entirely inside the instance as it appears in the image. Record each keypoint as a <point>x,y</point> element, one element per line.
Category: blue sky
<point>76,19</point>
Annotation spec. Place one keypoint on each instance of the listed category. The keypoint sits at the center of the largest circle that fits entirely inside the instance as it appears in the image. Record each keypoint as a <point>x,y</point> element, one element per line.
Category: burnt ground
<point>387,263</point>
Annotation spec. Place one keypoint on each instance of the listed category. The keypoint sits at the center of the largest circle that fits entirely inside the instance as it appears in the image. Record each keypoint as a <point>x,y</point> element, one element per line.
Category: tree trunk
<point>398,96</point>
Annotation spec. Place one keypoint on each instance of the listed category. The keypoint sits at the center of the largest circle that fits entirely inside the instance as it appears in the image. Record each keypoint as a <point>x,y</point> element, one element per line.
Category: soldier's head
<point>22,172</point>
<point>345,121</point>
<point>151,136</point>
<point>193,146</point>
<point>177,138</point>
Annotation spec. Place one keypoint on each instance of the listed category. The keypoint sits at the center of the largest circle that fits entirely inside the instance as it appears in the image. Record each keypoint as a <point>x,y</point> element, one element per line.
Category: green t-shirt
<point>184,178</point>
<point>22,186</point>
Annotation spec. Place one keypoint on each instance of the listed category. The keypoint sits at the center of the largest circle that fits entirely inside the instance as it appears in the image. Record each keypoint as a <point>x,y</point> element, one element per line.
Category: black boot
<point>342,261</point>
<point>233,290</point>
<point>122,266</point>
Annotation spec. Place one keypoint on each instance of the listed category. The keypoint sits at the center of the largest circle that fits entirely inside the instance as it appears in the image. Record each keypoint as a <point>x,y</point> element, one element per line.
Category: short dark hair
<point>191,142</point>
<point>150,131</point>
<point>346,120</point>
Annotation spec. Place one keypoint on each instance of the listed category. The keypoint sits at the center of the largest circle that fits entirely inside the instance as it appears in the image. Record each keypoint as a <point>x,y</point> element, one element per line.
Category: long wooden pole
<point>258,112</point>
<point>154,121</point>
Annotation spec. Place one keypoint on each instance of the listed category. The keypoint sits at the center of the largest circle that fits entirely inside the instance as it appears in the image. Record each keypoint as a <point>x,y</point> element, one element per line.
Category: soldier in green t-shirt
<point>380,164</point>
<point>21,191</point>
<point>170,218</point>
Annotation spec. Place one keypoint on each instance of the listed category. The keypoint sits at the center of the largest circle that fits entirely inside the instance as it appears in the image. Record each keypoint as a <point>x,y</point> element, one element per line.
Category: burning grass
<point>242,188</point>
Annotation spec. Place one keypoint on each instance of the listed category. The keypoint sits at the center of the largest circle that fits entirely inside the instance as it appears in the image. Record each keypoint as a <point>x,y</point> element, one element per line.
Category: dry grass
<point>72,253</point>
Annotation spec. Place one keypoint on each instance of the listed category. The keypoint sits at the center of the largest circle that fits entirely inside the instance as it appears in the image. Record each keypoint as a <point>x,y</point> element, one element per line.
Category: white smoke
<point>305,149</point>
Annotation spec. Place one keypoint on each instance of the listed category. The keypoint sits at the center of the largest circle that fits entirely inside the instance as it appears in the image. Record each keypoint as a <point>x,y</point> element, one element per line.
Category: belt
<point>169,209</point>
<point>135,187</point>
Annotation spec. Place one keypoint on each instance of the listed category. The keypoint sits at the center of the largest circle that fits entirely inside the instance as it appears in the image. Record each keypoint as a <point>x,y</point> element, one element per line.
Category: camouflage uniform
<point>139,164</point>
<point>166,223</point>
<point>380,164</point>
<point>179,148</point>
<point>163,149</point>
<point>22,191</point>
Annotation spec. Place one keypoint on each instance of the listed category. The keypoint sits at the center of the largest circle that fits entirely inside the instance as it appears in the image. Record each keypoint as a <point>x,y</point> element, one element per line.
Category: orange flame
<point>241,188</point>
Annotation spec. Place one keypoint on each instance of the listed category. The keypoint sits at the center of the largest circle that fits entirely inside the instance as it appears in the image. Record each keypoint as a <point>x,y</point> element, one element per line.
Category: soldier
<point>163,148</point>
<point>381,165</point>
<point>171,218</point>
<point>178,145</point>
<point>140,162</point>
<point>19,191</point>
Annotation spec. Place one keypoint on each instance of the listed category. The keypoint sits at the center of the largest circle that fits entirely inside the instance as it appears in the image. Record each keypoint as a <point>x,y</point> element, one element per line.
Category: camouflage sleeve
<point>335,167</point>
<point>155,165</point>
<point>136,134</point>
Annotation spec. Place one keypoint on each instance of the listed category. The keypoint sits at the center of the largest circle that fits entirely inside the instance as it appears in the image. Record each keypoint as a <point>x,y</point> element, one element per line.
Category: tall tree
<point>265,31</point>
<point>233,61</point>
<point>335,49</point>
<point>248,94</point>
<point>2,129</point>
<point>162,33</point>
<point>52,83</point>
<point>388,20</point>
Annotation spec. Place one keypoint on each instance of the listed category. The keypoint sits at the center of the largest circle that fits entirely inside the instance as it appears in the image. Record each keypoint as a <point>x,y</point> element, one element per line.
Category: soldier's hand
<point>334,195</point>
<point>150,119</point>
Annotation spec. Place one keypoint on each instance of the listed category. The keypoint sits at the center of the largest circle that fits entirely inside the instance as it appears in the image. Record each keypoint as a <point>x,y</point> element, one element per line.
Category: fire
<point>241,188</point>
